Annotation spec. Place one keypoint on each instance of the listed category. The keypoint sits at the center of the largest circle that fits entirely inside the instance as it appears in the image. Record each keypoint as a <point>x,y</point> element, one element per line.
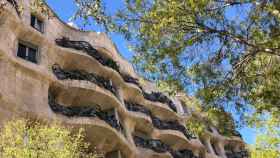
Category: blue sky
<point>65,11</point>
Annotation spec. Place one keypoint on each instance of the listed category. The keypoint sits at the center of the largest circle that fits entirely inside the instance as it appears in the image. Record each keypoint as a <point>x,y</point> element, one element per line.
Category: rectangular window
<point>27,52</point>
<point>32,55</point>
<point>22,51</point>
<point>37,23</point>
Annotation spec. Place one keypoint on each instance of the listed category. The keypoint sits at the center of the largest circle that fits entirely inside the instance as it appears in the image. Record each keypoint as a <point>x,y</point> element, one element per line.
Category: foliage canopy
<point>226,53</point>
<point>23,138</point>
<point>268,141</point>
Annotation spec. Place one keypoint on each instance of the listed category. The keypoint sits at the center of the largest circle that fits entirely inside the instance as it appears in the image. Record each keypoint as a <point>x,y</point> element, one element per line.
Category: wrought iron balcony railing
<point>183,154</point>
<point>229,132</point>
<point>240,154</point>
<point>86,111</point>
<point>14,3</point>
<point>160,97</point>
<point>132,80</point>
<point>236,133</point>
<point>137,108</point>
<point>173,125</point>
<point>160,147</point>
<point>82,75</point>
<point>158,123</point>
<point>87,48</point>
<point>153,144</point>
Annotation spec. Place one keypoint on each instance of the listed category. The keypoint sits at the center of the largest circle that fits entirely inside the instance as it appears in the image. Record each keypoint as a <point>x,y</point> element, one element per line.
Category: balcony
<point>14,3</point>
<point>82,75</point>
<point>240,154</point>
<point>153,144</point>
<point>132,80</point>
<point>159,97</point>
<point>159,147</point>
<point>87,48</point>
<point>86,111</point>
<point>173,125</point>
<point>158,123</point>
<point>183,154</point>
<point>229,132</point>
<point>236,133</point>
<point>137,108</point>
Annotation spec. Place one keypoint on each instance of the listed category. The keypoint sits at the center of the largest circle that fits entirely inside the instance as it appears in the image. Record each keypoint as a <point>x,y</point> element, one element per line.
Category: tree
<point>224,52</point>
<point>268,141</point>
<point>24,138</point>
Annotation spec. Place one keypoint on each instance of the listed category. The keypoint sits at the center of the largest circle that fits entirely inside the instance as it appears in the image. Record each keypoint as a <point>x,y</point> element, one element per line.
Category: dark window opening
<point>37,23</point>
<point>28,53</point>
<point>33,21</point>
<point>32,55</point>
<point>22,51</point>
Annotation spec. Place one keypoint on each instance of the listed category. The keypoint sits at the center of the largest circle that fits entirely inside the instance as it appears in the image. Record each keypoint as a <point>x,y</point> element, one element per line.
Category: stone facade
<point>80,79</point>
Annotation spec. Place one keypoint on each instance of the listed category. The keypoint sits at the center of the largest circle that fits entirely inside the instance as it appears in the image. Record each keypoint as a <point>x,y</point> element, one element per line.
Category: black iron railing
<point>62,74</point>
<point>158,123</point>
<point>236,133</point>
<point>160,97</point>
<point>183,154</point>
<point>86,111</point>
<point>172,125</point>
<point>154,144</point>
<point>132,80</point>
<point>160,147</point>
<point>229,132</point>
<point>240,154</point>
<point>137,108</point>
<point>87,47</point>
<point>14,3</point>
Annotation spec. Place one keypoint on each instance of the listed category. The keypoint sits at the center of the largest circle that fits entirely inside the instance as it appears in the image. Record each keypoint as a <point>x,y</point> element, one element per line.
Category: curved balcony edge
<point>149,153</point>
<point>173,138</point>
<point>157,146</point>
<point>116,77</point>
<point>86,89</point>
<point>92,125</point>
<point>120,83</point>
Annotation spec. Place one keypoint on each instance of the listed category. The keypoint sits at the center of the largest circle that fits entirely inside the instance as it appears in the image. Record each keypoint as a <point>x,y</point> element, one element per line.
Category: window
<point>27,52</point>
<point>37,23</point>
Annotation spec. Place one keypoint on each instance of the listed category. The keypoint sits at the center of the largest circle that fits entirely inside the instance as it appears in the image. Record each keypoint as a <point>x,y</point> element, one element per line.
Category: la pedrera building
<point>52,71</point>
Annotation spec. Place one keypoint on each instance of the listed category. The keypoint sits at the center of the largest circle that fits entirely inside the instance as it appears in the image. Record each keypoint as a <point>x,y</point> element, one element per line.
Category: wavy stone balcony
<point>82,75</point>
<point>158,123</point>
<point>14,3</point>
<point>132,80</point>
<point>137,108</point>
<point>173,125</point>
<point>153,144</point>
<point>86,111</point>
<point>240,154</point>
<point>183,154</point>
<point>87,48</point>
<point>159,147</point>
<point>159,97</point>
<point>234,132</point>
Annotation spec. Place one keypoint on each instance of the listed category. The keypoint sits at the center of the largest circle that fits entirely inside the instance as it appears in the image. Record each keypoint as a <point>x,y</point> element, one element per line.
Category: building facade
<point>52,71</point>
